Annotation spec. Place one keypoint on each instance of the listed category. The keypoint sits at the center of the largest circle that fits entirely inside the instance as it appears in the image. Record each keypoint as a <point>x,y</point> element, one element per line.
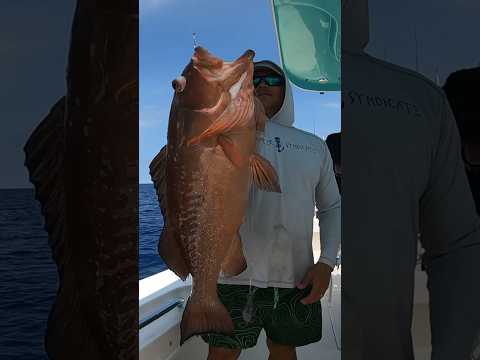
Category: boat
<point>162,299</point>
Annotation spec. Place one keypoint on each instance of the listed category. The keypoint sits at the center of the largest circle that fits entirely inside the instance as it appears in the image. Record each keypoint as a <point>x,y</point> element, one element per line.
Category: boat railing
<point>160,311</point>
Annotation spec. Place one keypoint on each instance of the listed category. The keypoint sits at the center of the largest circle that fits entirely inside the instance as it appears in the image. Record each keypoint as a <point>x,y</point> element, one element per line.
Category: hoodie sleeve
<point>451,237</point>
<point>328,203</point>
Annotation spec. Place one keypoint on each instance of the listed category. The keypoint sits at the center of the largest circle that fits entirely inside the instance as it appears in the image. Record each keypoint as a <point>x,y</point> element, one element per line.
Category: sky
<point>225,28</point>
<point>35,37</point>
<point>446,38</point>
<point>447,34</point>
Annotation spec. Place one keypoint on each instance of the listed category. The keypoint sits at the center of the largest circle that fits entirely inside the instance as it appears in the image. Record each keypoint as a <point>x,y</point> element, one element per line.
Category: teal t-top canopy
<point>309,37</point>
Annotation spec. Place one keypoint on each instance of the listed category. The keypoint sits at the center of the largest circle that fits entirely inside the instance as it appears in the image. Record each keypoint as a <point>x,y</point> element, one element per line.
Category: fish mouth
<point>235,75</point>
<point>239,74</point>
<point>231,78</point>
<point>204,58</point>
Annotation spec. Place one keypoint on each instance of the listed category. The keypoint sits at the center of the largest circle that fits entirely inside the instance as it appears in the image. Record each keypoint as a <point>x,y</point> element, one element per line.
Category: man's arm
<point>327,199</point>
<point>328,202</point>
<point>451,237</point>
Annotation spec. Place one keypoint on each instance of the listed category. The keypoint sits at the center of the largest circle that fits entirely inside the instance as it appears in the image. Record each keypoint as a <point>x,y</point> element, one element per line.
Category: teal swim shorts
<point>285,319</point>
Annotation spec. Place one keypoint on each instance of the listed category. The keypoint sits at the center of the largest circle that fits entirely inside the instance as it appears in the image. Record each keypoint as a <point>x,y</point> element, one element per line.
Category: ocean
<point>27,296</point>
<point>151,225</point>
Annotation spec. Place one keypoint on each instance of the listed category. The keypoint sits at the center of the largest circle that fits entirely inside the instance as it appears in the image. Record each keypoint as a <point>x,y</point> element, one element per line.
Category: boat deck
<point>159,340</point>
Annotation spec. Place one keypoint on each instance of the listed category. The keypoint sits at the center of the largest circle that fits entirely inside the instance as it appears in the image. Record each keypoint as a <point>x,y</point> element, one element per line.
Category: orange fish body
<point>209,164</point>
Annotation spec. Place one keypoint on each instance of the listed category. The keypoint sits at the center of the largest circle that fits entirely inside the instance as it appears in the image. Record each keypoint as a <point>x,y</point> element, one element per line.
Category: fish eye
<point>179,84</point>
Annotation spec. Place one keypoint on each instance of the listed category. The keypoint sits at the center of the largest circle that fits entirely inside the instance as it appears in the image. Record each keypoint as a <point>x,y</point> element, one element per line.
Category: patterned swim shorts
<point>285,319</point>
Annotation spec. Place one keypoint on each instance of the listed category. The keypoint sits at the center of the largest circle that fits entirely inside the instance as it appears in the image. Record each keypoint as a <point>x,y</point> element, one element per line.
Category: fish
<point>82,159</point>
<point>203,177</point>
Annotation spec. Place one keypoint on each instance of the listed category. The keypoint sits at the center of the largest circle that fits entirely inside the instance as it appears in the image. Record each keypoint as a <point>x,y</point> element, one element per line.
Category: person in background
<point>461,89</point>
<point>403,175</point>
<point>334,142</point>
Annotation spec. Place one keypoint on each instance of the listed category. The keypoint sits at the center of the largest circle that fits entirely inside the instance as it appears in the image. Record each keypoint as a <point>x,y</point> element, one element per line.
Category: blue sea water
<point>151,225</point>
<point>27,294</point>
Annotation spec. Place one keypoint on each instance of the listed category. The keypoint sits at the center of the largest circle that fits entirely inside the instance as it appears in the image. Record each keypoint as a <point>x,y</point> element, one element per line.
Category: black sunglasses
<point>270,80</point>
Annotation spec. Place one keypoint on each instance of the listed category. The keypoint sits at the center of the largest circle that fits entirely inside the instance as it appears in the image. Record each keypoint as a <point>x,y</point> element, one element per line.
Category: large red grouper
<point>203,177</point>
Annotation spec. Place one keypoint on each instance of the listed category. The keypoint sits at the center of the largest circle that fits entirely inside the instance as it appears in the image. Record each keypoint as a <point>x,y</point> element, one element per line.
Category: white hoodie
<point>277,232</point>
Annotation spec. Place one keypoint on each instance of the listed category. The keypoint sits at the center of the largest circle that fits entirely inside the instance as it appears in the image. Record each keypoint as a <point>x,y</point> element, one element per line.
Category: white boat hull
<point>159,340</point>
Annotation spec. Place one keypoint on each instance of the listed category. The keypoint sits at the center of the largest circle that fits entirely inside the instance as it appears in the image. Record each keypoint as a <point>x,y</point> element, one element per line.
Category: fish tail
<point>44,159</point>
<point>204,317</point>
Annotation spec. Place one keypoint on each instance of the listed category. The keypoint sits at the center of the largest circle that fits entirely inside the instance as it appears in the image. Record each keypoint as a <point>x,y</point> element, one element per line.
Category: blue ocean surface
<point>151,225</point>
<point>27,295</point>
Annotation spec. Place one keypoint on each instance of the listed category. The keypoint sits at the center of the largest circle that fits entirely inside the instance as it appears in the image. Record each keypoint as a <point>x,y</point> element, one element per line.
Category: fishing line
<point>194,35</point>
<point>250,308</point>
<point>275,297</point>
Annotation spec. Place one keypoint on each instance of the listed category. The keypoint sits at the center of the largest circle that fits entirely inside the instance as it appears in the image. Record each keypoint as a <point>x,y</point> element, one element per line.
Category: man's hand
<point>319,277</point>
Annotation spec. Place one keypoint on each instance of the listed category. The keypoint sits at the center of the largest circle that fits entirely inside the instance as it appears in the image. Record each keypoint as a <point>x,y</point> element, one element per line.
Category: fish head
<point>208,83</point>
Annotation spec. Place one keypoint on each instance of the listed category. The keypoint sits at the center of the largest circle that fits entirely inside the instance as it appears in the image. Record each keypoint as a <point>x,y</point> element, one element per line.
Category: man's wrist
<point>326,263</point>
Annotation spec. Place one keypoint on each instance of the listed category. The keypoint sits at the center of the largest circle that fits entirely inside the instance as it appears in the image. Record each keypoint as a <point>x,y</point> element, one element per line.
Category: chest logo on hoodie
<point>279,145</point>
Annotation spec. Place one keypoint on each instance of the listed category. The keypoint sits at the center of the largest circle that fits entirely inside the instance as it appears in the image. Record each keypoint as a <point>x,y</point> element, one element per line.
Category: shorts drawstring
<point>249,309</point>
<point>275,298</point>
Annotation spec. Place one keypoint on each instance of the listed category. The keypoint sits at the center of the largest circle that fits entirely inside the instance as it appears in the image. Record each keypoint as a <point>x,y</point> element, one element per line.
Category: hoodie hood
<point>284,116</point>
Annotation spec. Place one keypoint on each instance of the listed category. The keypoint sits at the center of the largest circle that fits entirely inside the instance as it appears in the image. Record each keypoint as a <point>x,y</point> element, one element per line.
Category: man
<point>334,145</point>
<point>461,91</point>
<point>403,175</point>
<point>281,288</point>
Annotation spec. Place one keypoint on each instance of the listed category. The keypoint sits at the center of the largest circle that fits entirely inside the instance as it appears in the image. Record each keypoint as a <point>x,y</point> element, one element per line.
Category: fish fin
<point>231,150</point>
<point>201,318</point>
<point>44,159</point>
<point>172,254</point>
<point>263,173</point>
<point>168,248</point>
<point>45,162</point>
<point>158,173</point>
<point>234,263</point>
<point>233,117</point>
